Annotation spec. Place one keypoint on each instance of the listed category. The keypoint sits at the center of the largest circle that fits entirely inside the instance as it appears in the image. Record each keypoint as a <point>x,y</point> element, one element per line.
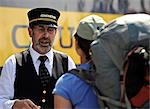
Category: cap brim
<point>50,24</point>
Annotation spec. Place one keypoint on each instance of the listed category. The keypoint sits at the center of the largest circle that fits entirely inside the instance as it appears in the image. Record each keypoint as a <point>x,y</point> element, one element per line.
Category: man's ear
<point>30,32</point>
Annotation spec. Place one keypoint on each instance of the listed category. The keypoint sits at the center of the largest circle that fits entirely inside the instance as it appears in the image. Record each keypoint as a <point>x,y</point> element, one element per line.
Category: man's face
<point>42,38</point>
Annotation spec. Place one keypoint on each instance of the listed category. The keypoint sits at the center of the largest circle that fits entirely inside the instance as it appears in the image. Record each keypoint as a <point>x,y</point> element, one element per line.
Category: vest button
<point>43,100</point>
<point>44,91</point>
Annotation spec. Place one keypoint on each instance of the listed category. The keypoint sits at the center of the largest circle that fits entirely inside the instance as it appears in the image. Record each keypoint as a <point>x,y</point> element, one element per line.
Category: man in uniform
<point>28,78</point>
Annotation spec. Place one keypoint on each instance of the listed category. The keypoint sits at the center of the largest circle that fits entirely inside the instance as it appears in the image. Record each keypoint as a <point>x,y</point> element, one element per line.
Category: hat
<point>89,27</point>
<point>46,16</point>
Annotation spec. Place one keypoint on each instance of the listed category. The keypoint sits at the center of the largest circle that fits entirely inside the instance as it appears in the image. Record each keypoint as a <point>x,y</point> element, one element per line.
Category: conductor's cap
<point>44,16</point>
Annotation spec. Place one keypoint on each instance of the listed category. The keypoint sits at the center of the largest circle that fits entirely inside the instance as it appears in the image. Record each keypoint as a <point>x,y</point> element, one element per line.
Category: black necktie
<point>43,71</point>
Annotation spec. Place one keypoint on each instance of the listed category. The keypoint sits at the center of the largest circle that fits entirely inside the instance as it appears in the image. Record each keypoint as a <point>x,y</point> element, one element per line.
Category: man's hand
<point>25,104</point>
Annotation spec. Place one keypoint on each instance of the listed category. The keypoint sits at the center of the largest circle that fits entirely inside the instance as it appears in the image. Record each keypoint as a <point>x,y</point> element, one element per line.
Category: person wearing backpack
<point>70,90</point>
<point>28,78</point>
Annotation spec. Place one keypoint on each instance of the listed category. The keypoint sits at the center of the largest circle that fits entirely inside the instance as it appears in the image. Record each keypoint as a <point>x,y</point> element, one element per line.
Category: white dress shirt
<point>7,77</point>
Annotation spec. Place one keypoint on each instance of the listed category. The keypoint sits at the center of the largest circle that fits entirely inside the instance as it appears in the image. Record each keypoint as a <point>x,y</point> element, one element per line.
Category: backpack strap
<point>88,78</point>
<point>60,64</point>
<point>84,75</point>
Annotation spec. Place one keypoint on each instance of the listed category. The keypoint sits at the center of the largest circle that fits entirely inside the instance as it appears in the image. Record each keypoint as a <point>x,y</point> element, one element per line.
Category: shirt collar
<point>35,55</point>
<point>85,66</point>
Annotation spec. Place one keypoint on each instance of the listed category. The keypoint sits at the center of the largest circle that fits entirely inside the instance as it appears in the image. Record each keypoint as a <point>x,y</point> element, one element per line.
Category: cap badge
<point>47,15</point>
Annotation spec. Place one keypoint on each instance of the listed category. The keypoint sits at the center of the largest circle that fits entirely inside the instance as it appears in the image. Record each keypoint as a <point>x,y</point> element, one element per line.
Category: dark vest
<point>27,83</point>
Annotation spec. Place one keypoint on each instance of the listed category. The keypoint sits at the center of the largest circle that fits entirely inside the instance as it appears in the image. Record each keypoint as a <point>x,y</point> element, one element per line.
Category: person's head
<point>42,28</point>
<point>87,31</point>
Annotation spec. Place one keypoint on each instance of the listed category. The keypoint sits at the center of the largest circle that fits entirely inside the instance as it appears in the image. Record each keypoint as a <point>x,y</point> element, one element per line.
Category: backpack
<point>136,73</point>
<point>109,52</point>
